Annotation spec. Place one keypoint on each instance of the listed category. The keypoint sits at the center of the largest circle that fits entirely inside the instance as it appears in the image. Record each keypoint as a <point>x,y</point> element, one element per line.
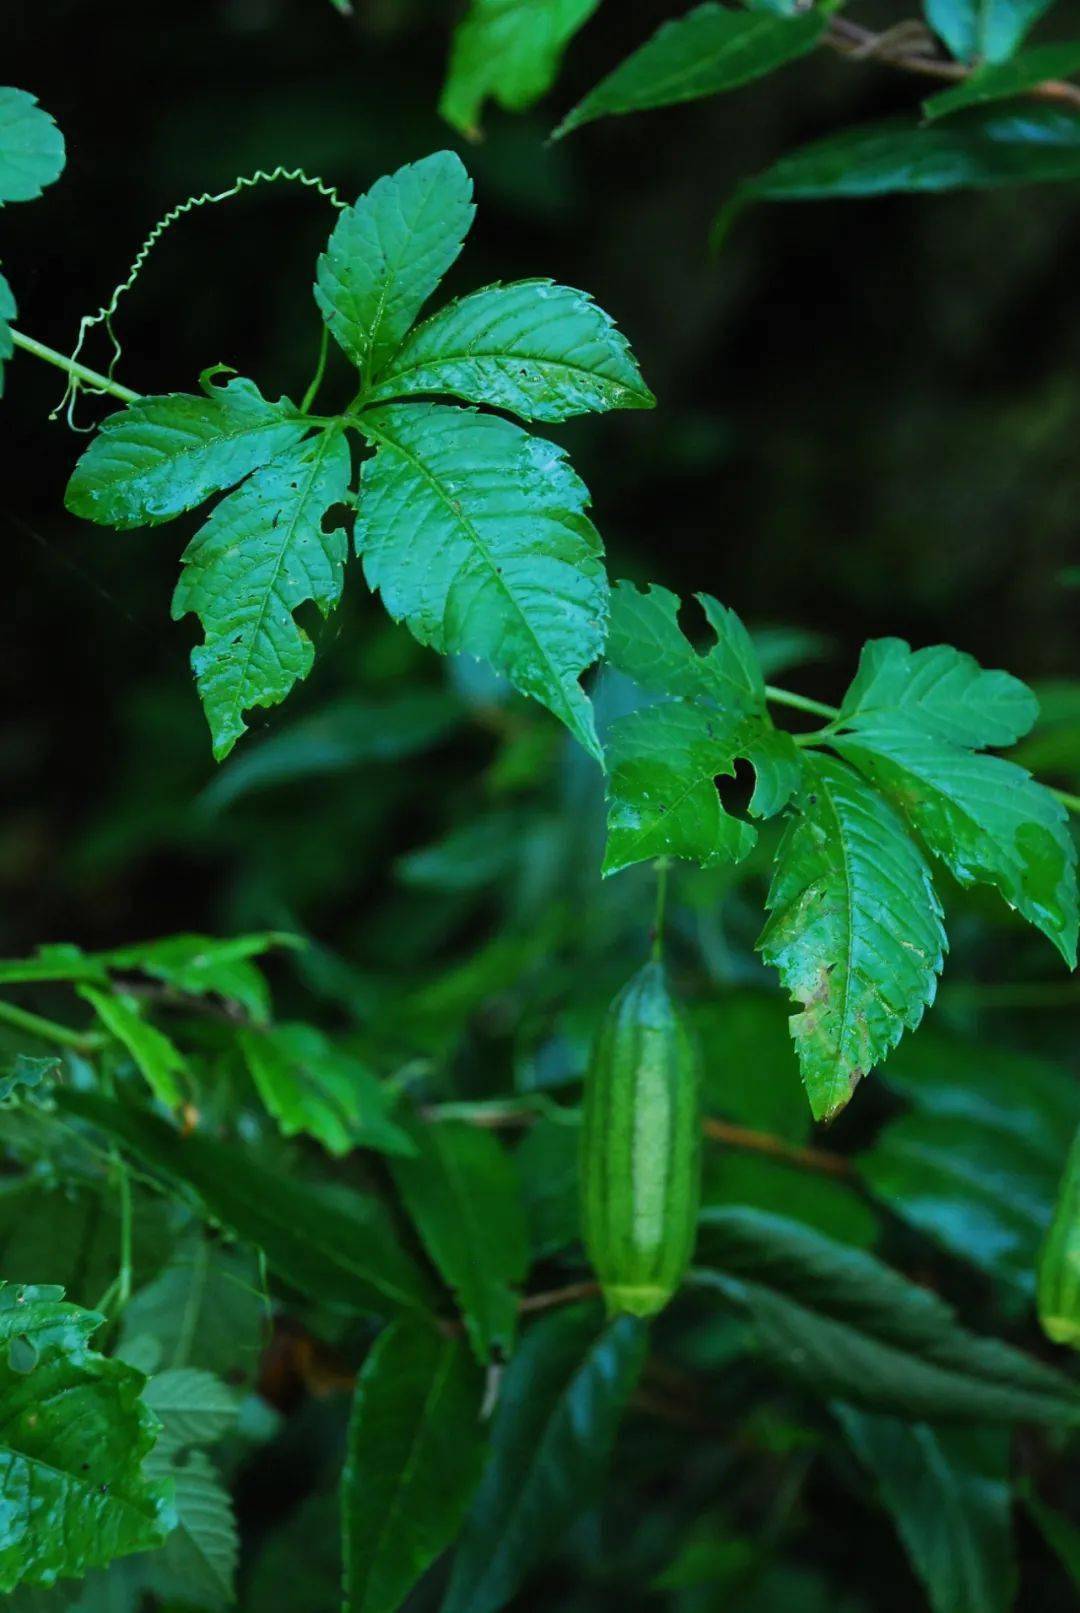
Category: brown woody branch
<point>910,48</point>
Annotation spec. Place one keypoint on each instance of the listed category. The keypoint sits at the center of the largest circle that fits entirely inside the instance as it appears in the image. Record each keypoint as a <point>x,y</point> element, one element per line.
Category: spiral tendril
<point>106,313</point>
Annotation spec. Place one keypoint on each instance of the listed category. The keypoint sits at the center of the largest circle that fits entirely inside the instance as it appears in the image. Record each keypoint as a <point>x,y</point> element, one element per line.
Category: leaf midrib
<point>459,517</point>
<point>315,465</point>
<point>408,1468</point>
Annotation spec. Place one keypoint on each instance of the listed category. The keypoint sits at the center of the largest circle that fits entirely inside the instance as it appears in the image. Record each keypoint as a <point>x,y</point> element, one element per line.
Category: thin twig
<point>558,1296</point>
<point>48,1030</point>
<point>71,367</point>
<point>894,48</point>
<point>785,1153</point>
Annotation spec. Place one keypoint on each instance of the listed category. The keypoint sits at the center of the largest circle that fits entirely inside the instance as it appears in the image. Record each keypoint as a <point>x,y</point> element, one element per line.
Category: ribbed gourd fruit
<point>641,1147</point>
<point>1059,1263</point>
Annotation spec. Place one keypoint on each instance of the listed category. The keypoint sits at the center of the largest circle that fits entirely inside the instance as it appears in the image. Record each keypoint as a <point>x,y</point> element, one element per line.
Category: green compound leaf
<point>947,692</point>
<point>264,552</point>
<point>158,1059</point>
<point>311,1086</point>
<point>855,931</point>
<point>989,30</point>
<point>1059,1532</point>
<point>950,1495</point>
<point>987,819</point>
<point>981,150</point>
<point>509,50</point>
<point>476,535</point>
<point>541,350</point>
<point>414,1454</point>
<point>647,643</point>
<point>1003,80</point>
<point>845,1326</point>
<point>342,1258</point>
<point>31,147</point>
<point>387,254</point>
<point>559,1408</point>
<point>162,456</point>
<point>73,1436</point>
<point>664,759</point>
<point>8,311</point>
<point>710,50</point>
<point>662,799</point>
<point>464,1196</point>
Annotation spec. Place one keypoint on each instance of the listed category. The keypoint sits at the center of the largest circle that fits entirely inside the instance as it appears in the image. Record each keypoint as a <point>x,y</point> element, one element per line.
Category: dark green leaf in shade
<point>845,1326</point>
<point>463,1194</point>
<point>1024,143</point>
<point>1002,80</point>
<point>978,1191</point>
<point>559,1408</point>
<point>950,1496</point>
<point>975,1163</point>
<point>340,736</point>
<point>1060,1533</point>
<point>709,50</point>
<point>69,1235</point>
<point>414,1456</point>
<point>548,1167</point>
<point>205,1308</point>
<point>509,50</point>
<point>347,1260</point>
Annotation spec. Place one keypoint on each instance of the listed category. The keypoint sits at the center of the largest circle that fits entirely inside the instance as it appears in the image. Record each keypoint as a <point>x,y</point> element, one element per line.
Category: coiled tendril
<point>106,312</point>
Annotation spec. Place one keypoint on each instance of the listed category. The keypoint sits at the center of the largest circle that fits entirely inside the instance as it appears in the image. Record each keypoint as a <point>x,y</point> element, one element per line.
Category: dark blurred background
<point>868,415</point>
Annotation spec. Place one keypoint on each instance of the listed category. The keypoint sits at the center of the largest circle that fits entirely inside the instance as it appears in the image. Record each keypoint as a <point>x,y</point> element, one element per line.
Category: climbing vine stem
<point>74,370</point>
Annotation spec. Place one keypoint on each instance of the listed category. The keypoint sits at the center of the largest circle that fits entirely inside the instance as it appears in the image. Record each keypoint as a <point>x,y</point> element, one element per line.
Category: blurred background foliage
<point>867,424</point>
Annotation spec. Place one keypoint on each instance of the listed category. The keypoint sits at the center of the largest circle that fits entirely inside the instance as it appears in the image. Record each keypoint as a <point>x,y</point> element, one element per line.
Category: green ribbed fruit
<point>1059,1263</point>
<point>641,1147</point>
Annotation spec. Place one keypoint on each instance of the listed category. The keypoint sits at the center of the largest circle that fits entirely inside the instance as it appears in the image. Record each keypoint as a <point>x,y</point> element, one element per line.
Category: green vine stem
<point>47,1030</point>
<point>72,368</point>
